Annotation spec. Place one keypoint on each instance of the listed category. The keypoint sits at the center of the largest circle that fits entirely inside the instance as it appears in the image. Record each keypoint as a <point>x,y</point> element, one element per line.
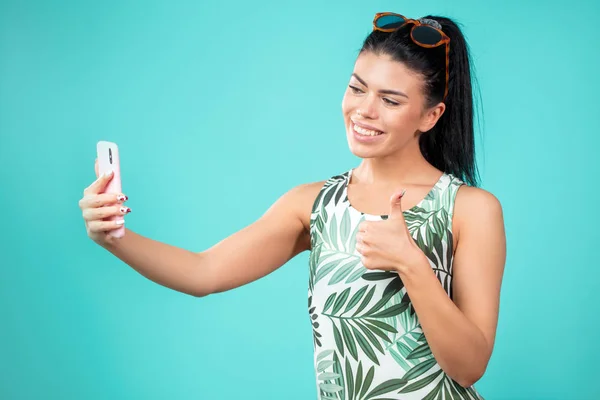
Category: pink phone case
<point>108,159</point>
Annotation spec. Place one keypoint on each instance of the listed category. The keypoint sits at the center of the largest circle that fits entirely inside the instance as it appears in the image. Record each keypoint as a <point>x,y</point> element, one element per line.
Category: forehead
<point>382,72</point>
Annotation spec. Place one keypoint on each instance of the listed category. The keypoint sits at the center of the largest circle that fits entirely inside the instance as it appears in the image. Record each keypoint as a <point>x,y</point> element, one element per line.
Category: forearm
<point>458,345</point>
<point>167,265</point>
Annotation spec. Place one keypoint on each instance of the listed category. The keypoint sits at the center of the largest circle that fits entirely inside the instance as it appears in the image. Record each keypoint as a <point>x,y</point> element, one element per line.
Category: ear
<point>431,116</point>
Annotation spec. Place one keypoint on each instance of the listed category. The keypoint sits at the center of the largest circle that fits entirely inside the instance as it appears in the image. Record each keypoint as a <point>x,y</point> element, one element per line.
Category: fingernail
<point>120,222</point>
<point>122,197</point>
<point>402,194</point>
<point>107,174</point>
<point>125,210</point>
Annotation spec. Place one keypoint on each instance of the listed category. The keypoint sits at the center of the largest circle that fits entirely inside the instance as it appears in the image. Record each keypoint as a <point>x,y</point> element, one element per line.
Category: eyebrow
<point>385,91</point>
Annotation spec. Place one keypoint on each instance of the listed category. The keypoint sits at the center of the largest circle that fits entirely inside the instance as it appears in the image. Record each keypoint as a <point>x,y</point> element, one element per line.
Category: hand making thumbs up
<point>387,245</point>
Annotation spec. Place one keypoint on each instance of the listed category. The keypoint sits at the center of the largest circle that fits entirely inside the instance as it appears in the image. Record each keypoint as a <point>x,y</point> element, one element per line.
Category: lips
<point>365,126</point>
<point>366,139</point>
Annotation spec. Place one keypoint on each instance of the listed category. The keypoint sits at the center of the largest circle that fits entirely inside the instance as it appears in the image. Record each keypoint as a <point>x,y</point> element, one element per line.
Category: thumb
<point>99,184</point>
<point>396,205</point>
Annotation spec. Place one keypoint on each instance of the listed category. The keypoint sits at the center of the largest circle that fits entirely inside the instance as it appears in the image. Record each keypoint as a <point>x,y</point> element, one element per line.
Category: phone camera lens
<point>110,155</point>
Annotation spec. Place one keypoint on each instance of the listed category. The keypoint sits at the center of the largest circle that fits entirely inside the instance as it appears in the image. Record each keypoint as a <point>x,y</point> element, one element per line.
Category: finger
<point>101,200</point>
<point>396,205</point>
<point>99,184</point>
<point>366,262</point>
<point>94,214</point>
<point>359,247</point>
<point>362,240</point>
<point>104,226</point>
<point>362,227</point>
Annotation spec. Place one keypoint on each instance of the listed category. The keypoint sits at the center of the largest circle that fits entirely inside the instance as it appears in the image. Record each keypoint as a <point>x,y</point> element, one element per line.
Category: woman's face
<point>383,107</point>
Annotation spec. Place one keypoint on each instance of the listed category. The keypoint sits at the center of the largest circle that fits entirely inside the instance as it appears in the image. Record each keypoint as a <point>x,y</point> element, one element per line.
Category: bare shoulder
<point>476,207</point>
<point>469,197</point>
<point>303,197</point>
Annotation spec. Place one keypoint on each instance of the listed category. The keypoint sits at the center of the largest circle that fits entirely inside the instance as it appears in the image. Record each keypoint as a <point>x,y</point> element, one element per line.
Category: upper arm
<point>278,235</point>
<point>479,259</point>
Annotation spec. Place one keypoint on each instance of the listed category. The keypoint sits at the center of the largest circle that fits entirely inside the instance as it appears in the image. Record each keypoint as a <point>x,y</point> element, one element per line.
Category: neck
<point>408,165</point>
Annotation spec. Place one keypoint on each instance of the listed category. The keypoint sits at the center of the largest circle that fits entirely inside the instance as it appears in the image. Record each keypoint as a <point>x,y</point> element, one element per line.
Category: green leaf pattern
<point>367,338</point>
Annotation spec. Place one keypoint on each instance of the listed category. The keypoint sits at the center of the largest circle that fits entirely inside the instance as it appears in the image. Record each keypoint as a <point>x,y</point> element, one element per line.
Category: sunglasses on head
<point>425,33</point>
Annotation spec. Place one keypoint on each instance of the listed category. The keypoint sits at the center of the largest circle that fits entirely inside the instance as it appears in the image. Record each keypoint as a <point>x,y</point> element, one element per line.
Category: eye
<point>390,102</point>
<point>355,90</point>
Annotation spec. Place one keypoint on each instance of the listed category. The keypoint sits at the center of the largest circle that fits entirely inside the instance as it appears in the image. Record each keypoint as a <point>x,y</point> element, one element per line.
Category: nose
<point>367,108</point>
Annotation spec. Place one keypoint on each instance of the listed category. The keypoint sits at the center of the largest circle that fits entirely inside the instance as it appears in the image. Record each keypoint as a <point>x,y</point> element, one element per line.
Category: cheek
<point>401,121</point>
<point>345,104</point>
<point>348,103</point>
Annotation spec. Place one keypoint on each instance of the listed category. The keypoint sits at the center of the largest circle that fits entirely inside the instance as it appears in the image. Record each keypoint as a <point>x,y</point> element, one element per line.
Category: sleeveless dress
<point>368,343</point>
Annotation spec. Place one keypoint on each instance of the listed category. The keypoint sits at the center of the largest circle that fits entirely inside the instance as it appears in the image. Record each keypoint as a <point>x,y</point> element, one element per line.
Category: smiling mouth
<point>365,132</point>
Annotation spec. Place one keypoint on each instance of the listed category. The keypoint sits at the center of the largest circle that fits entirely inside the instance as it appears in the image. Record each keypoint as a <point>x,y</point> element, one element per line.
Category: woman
<point>407,254</point>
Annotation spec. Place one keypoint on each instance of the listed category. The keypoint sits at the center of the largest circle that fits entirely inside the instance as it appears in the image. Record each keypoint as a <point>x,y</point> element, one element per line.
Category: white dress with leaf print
<point>368,343</point>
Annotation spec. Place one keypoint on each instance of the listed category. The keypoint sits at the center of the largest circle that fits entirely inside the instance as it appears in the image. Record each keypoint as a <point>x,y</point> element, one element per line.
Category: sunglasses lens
<point>389,22</point>
<point>426,35</point>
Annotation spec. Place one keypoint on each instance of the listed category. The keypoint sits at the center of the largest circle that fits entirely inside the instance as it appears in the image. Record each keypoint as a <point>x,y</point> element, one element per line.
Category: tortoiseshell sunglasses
<point>425,33</point>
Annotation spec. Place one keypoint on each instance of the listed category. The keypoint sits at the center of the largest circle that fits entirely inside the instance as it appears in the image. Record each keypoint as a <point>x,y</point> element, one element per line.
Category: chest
<point>376,199</point>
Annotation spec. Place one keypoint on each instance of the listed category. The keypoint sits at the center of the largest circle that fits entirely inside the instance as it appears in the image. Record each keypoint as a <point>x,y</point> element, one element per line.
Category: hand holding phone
<point>108,160</point>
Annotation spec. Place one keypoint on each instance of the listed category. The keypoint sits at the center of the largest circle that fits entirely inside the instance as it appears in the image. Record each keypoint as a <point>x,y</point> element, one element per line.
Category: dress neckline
<point>385,216</point>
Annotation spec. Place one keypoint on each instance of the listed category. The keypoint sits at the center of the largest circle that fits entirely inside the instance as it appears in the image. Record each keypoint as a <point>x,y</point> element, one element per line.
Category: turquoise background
<point>221,107</point>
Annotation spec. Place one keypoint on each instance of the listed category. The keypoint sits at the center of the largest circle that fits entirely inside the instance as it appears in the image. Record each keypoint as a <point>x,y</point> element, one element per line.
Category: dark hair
<point>449,145</point>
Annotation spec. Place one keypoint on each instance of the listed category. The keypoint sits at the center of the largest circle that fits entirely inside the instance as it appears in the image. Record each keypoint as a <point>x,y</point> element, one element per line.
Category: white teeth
<point>366,132</point>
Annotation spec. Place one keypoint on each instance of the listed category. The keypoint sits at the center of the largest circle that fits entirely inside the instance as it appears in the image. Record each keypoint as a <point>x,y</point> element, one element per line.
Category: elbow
<point>475,368</point>
<point>202,284</point>
<point>201,290</point>
<point>468,381</point>
<point>469,378</point>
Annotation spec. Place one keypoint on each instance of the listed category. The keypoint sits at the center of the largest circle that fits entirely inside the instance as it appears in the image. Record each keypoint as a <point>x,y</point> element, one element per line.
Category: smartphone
<point>108,159</point>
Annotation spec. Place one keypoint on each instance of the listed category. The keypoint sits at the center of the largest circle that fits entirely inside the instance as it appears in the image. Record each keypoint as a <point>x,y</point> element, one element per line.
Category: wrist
<point>110,243</point>
<point>416,268</point>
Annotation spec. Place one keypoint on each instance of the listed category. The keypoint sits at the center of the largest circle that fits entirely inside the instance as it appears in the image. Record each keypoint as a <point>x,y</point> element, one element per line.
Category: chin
<point>364,154</point>
<point>358,149</point>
